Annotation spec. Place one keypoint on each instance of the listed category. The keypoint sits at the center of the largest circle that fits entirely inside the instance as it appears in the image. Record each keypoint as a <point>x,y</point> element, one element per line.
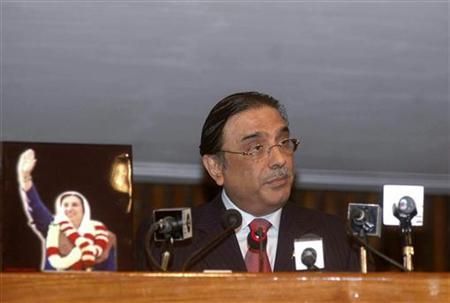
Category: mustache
<point>278,173</point>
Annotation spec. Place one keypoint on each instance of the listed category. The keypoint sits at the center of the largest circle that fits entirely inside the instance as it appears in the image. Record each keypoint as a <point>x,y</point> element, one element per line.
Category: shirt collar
<point>273,218</point>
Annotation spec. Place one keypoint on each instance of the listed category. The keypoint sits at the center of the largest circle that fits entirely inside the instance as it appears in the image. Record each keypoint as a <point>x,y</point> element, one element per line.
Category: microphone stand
<point>405,211</point>
<point>199,253</point>
<point>362,251</point>
<point>231,220</point>
<point>166,254</point>
<point>408,248</point>
<point>313,267</point>
<point>148,243</point>
<point>259,233</point>
<point>363,259</point>
<point>373,250</point>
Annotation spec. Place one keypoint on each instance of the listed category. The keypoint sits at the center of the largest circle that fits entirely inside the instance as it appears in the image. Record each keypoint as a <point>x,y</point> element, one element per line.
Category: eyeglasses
<point>287,146</point>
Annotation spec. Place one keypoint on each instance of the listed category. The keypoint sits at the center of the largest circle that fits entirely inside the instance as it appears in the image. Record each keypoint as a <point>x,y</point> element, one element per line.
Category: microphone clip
<point>257,239</point>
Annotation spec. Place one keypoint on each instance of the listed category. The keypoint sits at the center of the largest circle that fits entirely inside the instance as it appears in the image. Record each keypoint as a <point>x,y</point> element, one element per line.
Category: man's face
<point>258,186</point>
<point>73,209</point>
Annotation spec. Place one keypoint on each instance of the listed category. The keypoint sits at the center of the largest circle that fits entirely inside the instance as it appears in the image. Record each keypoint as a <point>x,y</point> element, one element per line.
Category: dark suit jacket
<point>295,222</point>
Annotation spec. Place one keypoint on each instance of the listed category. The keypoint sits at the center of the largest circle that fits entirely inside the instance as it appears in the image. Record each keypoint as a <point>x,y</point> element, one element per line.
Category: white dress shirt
<point>244,229</point>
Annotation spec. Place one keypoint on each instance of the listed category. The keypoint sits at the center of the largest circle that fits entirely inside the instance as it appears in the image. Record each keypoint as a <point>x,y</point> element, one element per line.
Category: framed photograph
<point>66,207</point>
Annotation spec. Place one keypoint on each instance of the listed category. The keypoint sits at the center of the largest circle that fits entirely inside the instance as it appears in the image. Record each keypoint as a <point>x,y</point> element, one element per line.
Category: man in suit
<point>247,149</point>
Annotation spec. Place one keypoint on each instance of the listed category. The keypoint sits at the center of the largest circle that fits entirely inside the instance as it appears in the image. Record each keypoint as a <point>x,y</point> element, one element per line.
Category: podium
<point>114,287</point>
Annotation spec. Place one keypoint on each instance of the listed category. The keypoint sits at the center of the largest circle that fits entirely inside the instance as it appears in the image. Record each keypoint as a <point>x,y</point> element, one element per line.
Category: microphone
<point>169,225</point>
<point>358,215</point>
<point>309,256</point>
<point>405,209</point>
<point>403,205</point>
<point>257,239</point>
<point>365,219</point>
<point>308,252</point>
<point>172,223</point>
<point>231,220</point>
<point>231,217</point>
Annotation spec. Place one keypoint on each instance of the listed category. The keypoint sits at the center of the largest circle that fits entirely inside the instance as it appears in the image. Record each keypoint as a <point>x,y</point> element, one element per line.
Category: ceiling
<point>365,83</point>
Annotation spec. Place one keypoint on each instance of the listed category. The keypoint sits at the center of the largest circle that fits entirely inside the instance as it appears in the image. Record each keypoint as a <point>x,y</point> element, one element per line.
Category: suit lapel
<point>292,226</point>
<point>285,249</point>
<point>227,256</point>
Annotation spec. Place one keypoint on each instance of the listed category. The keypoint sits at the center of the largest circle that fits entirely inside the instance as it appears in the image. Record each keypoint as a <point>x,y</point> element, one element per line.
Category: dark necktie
<point>256,258</point>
